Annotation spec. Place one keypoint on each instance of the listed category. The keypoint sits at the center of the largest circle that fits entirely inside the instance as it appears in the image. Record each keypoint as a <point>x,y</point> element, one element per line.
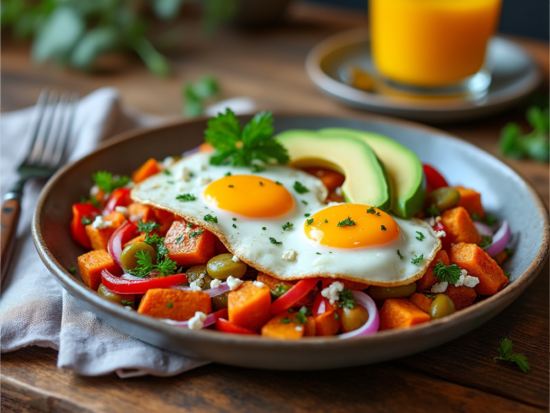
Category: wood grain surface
<point>268,66</point>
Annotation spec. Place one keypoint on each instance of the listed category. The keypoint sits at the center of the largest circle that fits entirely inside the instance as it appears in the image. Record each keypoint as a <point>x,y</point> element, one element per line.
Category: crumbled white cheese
<point>299,328</point>
<point>94,190</point>
<point>234,258</point>
<point>122,210</point>
<point>203,167</point>
<point>196,285</point>
<point>467,280</point>
<point>259,284</point>
<point>331,292</point>
<point>233,282</point>
<point>289,255</point>
<point>215,283</point>
<point>205,180</point>
<point>440,234</point>
<point>197,321</point>
<point>338,191</point>
<point>100,223</point>
<point>167,162</point>
<point>136,217</point>
<point>432,220</point>
<point>316,234</point>
<point>185,174</point>
<point>440,287</point>
<point>127,307</point>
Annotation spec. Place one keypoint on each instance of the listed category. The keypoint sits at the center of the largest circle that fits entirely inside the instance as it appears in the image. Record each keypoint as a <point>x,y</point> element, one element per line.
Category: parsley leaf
<point>169,305</point>
<point>186,197</point>
<point>167,172</point>
<point>147,227</point>
<point>416,260</point>
<point>401,256</point>
<point>280,290</point>
<point>144,264</point>
<point>126,302</point>
<point>274,241</point>
<point>240,146</point>
<point>309,222</point>
<point>505,354</point>
<point>486,240</point>
<point>167,267</point>
<point>199,232</point>
<point>432,211</point>
<point>211,218</point>
<point>421,236</point>
<point>298,187</point>
<point>286,320</point>
<point>348,222</point>
<point>448,273</point>
<point>346,299</point>
<point>86,221</point>
<point>300,317</point>
<point>288,226</point>
<point>72,270</point>
<point>373,211</point>
<point>383,228</point>
<point>108,183</point>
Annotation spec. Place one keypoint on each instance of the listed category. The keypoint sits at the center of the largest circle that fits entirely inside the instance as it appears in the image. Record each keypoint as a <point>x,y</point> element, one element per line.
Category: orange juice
<point>431,43</point>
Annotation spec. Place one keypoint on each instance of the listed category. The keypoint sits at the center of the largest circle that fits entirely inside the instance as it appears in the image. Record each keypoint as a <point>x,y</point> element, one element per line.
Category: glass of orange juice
<point>433,46</point>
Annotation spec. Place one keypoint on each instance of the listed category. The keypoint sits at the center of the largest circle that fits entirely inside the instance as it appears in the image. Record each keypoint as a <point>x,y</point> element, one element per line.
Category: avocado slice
<point>403,166</point>
<point>366,179</point>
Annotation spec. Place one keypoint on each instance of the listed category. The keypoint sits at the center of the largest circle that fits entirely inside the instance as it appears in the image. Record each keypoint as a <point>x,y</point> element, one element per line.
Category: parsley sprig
<point>186,197</point>
<point>108,183</point>
<point>416,260</point>
<point>300,188</point>
<point>346,299</point>
<point>348,222</point>
<point>239,146</point>
<point>505,354</point>
<point>486,240</point>
<point>448,273</point>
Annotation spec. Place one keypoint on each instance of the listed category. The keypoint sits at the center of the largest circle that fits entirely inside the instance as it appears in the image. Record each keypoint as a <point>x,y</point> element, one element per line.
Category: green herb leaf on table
<point>505,354</point>
<point>449,273</point>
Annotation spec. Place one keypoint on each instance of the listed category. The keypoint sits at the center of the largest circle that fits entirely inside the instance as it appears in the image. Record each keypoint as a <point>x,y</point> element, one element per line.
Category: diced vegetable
<point>352,318</point>
<point>126,300</point>
<point>225,326</point>
<point>429,279</point>
<point>421,301</point>
<point>326,317</point>
<point>380,294</point>
<point>373,321</point>
<point>331,179</point>
<point>140,212</point>
<point>99,237</point>
<point>478,264</point>
<point>441,306</point>
<point>147,170</point>
<point>434,179</point>
<point>461,297</point>
<point>443,198</point>
<point>460,227</point>
<point>401,313</point>
<point>164,219</point>
<point>92,264</point>
<point>249,306</point>
<point>174,304</point>
<point>119,198</point>
<point>222,266</point>
<point>294,295</point>
<point>471,201</point>
<point>309,327</point>
<point>134,285</point>
<point>285,326</point>
<point>83,214</point>
<point>274,283</point>
<point>189,245</point>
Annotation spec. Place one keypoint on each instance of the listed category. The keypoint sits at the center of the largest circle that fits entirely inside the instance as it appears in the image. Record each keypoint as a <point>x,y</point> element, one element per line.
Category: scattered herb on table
<point>505,354</point>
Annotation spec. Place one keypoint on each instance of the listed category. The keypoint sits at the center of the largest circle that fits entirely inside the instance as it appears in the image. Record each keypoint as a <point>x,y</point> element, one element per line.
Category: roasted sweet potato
<point>478,264</point>
<point>429,279</point>
<point>401,313</point>
<point>174,304</point>
<point>189,245</point>
<point>461,297</point>
<point>164,219</point>
<point>139,238</point>
<point>92,263</point>
<point>99,237</point>
<point>471,201</point>
<point>325,316</point>
<point>459,225</point>
<point>421,301</point>
<point>284,326</point>
<point>310,327</point>
<point>273,282</point>
<point>149,168</point>
<point>140,212</point>
<point>249,306</point>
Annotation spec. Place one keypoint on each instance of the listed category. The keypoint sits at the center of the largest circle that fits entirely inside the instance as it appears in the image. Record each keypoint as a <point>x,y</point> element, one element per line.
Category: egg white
<point>374,265</point>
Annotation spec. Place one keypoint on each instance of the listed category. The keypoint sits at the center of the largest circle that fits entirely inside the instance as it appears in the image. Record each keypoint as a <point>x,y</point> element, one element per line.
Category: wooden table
<point>269,67</point>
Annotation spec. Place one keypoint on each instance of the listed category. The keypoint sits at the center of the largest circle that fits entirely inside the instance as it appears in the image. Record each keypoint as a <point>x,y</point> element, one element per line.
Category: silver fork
<point>49,137</point>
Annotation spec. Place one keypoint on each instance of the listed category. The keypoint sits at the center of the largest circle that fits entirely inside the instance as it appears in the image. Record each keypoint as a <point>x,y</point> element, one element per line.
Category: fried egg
<point>277,221</point>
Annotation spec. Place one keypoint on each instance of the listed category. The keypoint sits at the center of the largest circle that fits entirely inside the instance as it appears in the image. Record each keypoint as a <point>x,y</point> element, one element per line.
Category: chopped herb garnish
<point>326,221</point>
<point>449,273</point>
<point>348,222</point>
<point>373,211</point>
<point>126,302</point>
<point>309,222</point>
<point>421,236</point>
<point>304,202</point>
<point>346,299</point>
<point>147,227</point>
<point>490,220</point>
<point>178,239</point>
<point>186,197</point>
<point>486,240</point>
<point>401,256</point>
<point>300,317</point>
<point>210,218</point>
<point>432,211</point>
<point>234,219</point>
<point>190,224</point>
<point>298,187</point>
<point>336,316</point>
<point>264,228</point>
<point>430,296</point>
<point>416,260</point>
<point>86,221</point>
<point>228,174</point>
<point>318,253</point>
<point>288,226</point>
<point>274,241</point>
<point>261,183</point>
<point>383,228</point>
<point>307,215</point>
<point>72,270</point>
<point>234,226</point>
<point>108,183</point>
<point>169,182</point>
<point>167,172</point>
<point>195,233</point>
<point>169,305</point>
<point>280,290</point>
<point>191,174</point>
<point>507,275</point>
<point>257,168</point>
<point>505,354</point>
<point>278,183</point>
<point>230,186</point>
<point>509,252</point>
<point>286,320</point>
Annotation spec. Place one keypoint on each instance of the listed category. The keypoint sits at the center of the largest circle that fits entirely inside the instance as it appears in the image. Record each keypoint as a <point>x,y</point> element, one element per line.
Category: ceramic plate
<point>505,194</point>
<point>514,76</point>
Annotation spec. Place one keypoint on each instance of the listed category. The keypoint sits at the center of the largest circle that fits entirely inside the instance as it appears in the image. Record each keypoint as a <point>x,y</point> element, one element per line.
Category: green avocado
<point>366,179</point>
<point>403,166</point>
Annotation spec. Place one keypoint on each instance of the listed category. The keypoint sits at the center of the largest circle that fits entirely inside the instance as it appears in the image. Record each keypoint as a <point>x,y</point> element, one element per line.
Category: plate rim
<point>468,315</point>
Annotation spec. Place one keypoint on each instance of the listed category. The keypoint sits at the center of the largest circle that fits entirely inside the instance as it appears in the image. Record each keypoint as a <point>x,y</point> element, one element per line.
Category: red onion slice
<point>210,319</point>
<point>122,235</point>
<point>372,324</point>
<point>500,240</point>
<point>483,229</point>
<point>213,292</point>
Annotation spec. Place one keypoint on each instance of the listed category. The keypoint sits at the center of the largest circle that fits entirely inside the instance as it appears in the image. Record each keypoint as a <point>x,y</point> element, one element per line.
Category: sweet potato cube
<point>471,201</point>
<point>284,326</point>
<point>99,237</point>
<point>140,212</point>
<point>327,323</point>
<point>350,285</point>
<point>148,169</point>
<point>273,282</point>
<point>421,301</point>
<point>164,219</point>
<point>174,304</point>
<point>460,227</point>
<point>501,257</point>
<point>92,263</point>
<point>429,279</point>
<point>478,264</point>
<point>249,306</point>
<point>461,297</point>
<point>189,245</point>
<point>401,313</point>
<point>310,327</point>
<point>139,238</point>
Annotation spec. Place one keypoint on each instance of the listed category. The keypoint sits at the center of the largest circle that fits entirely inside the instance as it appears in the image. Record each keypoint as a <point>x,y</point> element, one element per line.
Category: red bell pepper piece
<point>321,305</point>
<point>123,286</point>
<point>225,326</point>
<point>444,240</point>
<point>119,197</point>
<point>296,293</point>
<point>78,231</point>
<point>434,179</point>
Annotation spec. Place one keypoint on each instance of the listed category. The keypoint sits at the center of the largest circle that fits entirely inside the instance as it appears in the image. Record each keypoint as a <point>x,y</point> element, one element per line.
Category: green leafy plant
<point>196,94</point>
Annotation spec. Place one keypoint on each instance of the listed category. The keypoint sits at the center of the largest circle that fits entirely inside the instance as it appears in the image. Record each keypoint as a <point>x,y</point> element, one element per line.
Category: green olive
<point>353,318</point>
<point>102,291</point>
<point>222,266</point>
<point>128,257</point>
<point>198,272</point>
<point>444,198</point>
<point>441,306</point>
<point>219,302</point>
<point>383,293</point>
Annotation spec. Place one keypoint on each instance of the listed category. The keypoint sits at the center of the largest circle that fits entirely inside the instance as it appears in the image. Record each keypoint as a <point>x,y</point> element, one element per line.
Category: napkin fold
<point>34,309</point>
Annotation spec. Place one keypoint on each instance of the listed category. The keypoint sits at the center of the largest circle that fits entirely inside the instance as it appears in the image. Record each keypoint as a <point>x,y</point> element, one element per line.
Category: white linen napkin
<point>34,309</point>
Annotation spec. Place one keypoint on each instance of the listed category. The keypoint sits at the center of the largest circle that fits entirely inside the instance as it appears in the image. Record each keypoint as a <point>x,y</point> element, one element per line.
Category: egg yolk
<point>250,196</point>
<point>351,226</point>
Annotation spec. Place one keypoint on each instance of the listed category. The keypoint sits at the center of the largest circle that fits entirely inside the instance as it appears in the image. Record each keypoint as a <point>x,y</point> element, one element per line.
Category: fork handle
<point>11,211</point>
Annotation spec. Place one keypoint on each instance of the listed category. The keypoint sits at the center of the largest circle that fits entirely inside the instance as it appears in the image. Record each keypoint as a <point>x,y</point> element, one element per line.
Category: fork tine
<point>46,121</point>
<point>38,115</point>
<point>65,130</point>
<point>50,132</point>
